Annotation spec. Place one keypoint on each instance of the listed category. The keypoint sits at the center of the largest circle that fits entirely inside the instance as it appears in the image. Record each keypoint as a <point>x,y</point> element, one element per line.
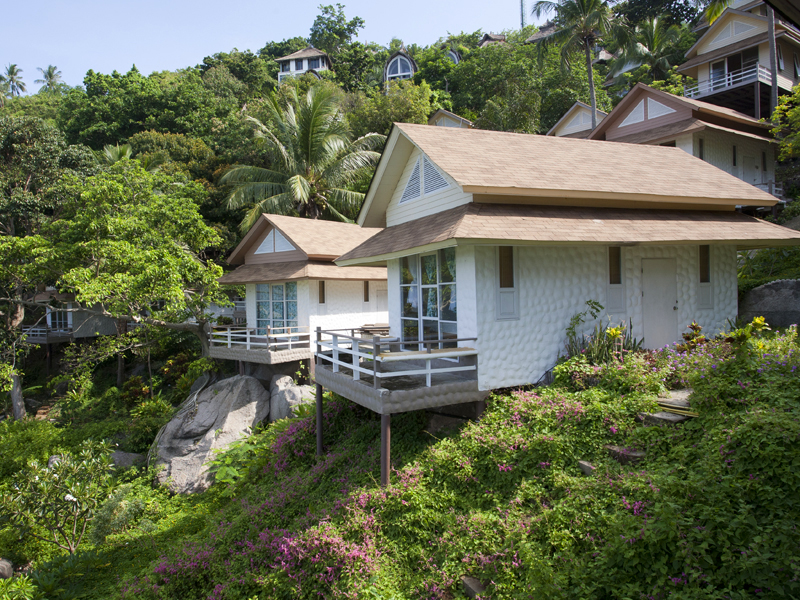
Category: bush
<point>119,512</point>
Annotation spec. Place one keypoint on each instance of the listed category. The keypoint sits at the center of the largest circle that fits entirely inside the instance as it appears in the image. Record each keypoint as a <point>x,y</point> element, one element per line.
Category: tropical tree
<point>13,77</point>
<point>51,77</point>
<point>655,45</point>
<point>5,90</point>
<point>313,161</point>
<point>582,25</point>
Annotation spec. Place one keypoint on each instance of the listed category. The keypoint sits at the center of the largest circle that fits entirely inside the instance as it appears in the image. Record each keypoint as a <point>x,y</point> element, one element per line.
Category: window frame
<point>286,66</point>
<point>616,299</point>
<point>705,289</point>
<point>366,292</point>
<point>322,297</point>
<point>502,294</point>
<point>420,287</point>
<point>779,55</point>
<point>285,301</point>
<point>701,148</point>
<point>298,64</point>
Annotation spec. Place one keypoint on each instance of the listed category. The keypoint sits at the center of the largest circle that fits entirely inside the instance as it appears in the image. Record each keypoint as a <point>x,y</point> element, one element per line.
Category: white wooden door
<point>751,170</point>
<point>660,301</point>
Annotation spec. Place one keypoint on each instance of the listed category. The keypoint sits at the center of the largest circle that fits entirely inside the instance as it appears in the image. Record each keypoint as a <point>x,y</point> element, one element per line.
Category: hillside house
<point>59,326</point>
<point>488,261</point>
<point>445,118</point>
<point>490,39</point>
<point>576,122</point>
<point>731,60</point>
<point>732,141</point>
<point>307,60</point>
<point>399,66</point>
<point>293,286</point>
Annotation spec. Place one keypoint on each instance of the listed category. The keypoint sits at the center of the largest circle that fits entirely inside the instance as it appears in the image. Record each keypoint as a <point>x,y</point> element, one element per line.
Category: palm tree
<point>582,25</point>
<point>112,154</point>
<point>51,77</point>
<point>14,79</point>
<point>5,91</point>
<point>313,160</point>
<point>652,44</point>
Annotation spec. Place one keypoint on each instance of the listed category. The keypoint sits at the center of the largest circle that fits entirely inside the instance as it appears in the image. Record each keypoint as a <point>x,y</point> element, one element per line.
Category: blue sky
<point>78,35</point>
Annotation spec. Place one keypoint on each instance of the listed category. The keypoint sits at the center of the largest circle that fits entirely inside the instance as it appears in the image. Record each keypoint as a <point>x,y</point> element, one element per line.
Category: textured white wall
<point>393,272</point>
<point>555,284</point>
<point>344,305</point>
<point>718,151</point>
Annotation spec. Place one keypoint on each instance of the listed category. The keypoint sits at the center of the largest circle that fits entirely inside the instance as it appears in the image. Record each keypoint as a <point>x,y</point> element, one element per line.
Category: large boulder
<point>286,396</point>
<point>125,460</point>
<point>6,569</point>
<point>223,413</point>
<point>778,302</point>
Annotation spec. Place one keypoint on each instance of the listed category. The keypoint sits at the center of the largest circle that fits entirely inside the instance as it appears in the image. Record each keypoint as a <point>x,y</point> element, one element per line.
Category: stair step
<point>586,467</point>
<point>625,456</point>
<point>662,418</point>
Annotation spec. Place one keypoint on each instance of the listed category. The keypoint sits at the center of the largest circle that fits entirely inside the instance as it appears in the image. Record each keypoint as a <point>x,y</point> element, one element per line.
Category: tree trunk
<point>17,403</point>
<point>773,61</point>
<point>202,332</point>
<point>590,70</point>
<point>122,328</point>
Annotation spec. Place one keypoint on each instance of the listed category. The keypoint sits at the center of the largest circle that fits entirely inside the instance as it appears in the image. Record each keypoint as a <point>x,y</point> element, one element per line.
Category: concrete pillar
<point>319,420</point>
<point>241,367</point>
<point>386,443</point>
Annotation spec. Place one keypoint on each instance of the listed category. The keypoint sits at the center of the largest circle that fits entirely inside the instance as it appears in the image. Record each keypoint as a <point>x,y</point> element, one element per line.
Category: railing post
<point>386,445</point>
<point>356,361</point>
<point>229,337</point>
<point>319,345</point>
<point>319,416</point>
<point>247,337</point>
<point>335,343</point>
<point>428,372</point>
<point>376,351</point>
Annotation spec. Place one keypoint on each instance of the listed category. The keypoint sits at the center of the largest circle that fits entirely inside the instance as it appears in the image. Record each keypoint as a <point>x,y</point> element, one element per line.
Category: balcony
<point>47,335</point>
<point>728,81</point>
<point>771,187</point>
<point>380,374</point>
<point>275,346</point>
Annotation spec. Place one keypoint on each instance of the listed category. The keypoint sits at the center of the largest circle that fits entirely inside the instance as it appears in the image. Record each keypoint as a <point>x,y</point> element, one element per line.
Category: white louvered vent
<point>433,180</point>
<point>413,187</point>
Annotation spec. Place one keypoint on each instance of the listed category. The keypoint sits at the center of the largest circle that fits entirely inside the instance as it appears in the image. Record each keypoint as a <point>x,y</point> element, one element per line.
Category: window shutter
<point>413,187</point>
<point>434,181</point>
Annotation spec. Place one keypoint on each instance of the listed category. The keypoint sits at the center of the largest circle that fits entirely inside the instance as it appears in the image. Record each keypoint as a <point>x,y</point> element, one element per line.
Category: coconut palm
<point>51,77</point>
<point>14,79</point>
<point>112,154</point>
<point>652,44</point>
<point>582,25</point>
<point>313,161</point>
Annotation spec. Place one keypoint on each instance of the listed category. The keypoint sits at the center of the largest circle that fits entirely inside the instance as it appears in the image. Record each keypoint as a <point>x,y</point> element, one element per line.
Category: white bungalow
<point>445,118</point>
<point>308,60</point>
<point>494,240</point>
<point>399,66</point>
<point>731,60</point>
<point>65,326</point>
<point>732,141</point>
<point>576,122</point>
<point>292,287</point>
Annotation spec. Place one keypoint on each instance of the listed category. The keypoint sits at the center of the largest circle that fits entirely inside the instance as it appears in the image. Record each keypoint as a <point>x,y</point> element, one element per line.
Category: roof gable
<point>577,118</point>
<point>295,238</point>
<point>725,31</point>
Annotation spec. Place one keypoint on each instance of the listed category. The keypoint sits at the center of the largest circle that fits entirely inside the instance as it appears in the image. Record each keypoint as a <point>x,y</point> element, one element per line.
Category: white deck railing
<point>383,351</point>
<point>246,338</point>
<point>729,80</point>
<point>44,332</point>
<point>771,187</point>
<point>239,306</point>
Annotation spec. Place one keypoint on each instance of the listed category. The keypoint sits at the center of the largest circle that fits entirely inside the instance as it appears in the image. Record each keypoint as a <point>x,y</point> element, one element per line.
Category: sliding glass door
<point>276,307</point>
<point>428,298</point>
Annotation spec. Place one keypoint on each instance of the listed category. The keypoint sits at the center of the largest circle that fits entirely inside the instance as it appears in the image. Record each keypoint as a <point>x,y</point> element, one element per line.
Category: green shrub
<point>19,588</point>
<point>119,512</point>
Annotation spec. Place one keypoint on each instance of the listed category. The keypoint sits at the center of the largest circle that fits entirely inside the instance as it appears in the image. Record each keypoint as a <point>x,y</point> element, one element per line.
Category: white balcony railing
<point>729,80</point>
<point>43,332</point>
<point>771,187</point>
<point>246,338</point>
<point>383,358</point>
<point>239,306</point>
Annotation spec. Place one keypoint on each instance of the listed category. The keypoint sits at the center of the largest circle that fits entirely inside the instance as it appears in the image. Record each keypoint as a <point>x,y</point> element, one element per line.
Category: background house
<point>734,142</point>
<point>308,60</point>
<point>576,122</point>
<point>731,60</point>
<point>292,286</point>
<point>444,118</point>
<point>399,66</point>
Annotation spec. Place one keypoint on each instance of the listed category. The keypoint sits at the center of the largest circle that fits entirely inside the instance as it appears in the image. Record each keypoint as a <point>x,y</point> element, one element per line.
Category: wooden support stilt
<point>757,93</point>
<point>386,446</point>
<point>319,420</point>
<point>49,358</point>
<point>241,367</point>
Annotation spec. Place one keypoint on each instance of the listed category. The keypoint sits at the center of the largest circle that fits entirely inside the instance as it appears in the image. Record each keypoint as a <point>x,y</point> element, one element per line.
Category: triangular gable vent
<point>740,27</point>
<point>635,116</point>
<point>577,121</point>
<point>656,109</point>
<point>723,35</point>
<point>434,181</point>
<point>413,187</point>
<point>274,242</point>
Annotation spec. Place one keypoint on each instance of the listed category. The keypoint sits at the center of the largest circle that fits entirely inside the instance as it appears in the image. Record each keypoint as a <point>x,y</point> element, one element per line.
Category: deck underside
<point>264,357</point>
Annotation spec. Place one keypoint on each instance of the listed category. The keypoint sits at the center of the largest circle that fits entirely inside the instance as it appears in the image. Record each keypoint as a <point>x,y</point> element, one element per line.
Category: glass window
<point>428,269</point>
<point>322,292</point>
<point>298,65</point>
<point>276,307</point>
<point>796,66</point>
<point>506,267</point>
<point>779,50</point>
<point>705,264</point>
<point>615,265</point>
<point>734,156</point>
<point>285,67</point>
<point>59,321</point>
<point>430,302</point>
<point>313,63</point>
<point>447,303</point>
<point>408,270</point>
<point>400,68</point>
<point>428,298</point>
<point>700,149</point>
<point>447,260</point>
<point>366,291</point>
<point>408,299</point>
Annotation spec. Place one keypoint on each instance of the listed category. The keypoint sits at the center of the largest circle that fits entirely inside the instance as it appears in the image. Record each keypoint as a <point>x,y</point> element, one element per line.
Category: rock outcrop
<point>778,302</point>
<point>125,460</point>
<point>6,569</point>
<point>222,413</point>
<point>286,396</point>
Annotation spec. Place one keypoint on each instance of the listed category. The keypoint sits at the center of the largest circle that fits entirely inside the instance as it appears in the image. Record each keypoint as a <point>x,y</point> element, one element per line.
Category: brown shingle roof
<point>318,239</point>
<point>291,271</point>
<point>536,165</point>
<point>663,133</point>
<point>309,52</point>
<point>573,225</point>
